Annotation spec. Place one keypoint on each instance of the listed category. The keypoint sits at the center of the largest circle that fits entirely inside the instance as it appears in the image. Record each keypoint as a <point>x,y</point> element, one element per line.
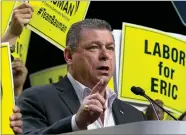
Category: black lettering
<point>17,47</point>
<point>174,55</point>
<point>163,86</point>
<point>66,7</point>
<point>146,47</point>
<point>43,12</point>
<point>157,49</point>
<point>182,58</point>
<point>70,9</point>
<point>20,50</point>
<point>52,20</point>
<point>166,51</point>
<point>60,77</point>
<point>169,91</point>
<point>172,73</point>
<point>50,80</point>
<point>54,23</point>
<point>166,72</point>
<point>174,96</point>
<point>153,84</point>
<point>60,4</point>
<point>54,2</point>
<point>160,67</point>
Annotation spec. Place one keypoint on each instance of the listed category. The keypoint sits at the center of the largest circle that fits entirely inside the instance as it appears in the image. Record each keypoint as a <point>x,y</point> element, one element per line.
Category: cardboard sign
<point>156,62</point>
<point>7,92</point>
<point>52,19</point>
<point>22,45</point>
<point>7,8</point>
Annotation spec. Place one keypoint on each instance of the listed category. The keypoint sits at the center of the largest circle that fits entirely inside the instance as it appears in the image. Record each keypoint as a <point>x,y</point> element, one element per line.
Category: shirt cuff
<point>74,125</point>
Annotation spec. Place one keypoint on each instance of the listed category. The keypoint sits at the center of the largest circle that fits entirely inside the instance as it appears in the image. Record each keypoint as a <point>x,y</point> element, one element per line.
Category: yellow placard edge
<point>7,26</point>
<point>6,44</point>
<point>46,70</point>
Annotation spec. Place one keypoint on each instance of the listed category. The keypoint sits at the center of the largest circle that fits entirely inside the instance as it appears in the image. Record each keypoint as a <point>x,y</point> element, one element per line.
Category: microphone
<point>141,92</point>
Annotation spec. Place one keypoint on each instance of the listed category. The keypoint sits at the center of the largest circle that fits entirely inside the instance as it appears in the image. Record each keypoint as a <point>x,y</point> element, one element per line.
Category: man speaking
<point>81,100</point>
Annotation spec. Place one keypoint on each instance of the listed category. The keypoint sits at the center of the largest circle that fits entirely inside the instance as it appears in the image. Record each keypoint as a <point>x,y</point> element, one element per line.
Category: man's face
<point>94,57</point>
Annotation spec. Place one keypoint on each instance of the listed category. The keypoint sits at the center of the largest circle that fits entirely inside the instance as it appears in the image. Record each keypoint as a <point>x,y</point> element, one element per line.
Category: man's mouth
<point>103,68</point>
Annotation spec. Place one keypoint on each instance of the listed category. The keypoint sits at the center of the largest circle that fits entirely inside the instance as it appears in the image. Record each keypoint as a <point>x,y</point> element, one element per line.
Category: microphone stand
<point>152,106</point>
<point>162,108</point>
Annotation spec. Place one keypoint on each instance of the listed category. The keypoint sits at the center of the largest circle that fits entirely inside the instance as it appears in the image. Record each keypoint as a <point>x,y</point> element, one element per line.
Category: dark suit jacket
<point>48,109</point>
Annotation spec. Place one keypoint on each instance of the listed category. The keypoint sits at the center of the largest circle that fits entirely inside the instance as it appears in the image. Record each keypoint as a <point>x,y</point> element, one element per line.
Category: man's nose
<point>104,55</point>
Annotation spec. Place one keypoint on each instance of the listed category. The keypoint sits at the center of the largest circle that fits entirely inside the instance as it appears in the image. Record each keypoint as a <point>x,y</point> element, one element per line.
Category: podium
<point>139,128</point>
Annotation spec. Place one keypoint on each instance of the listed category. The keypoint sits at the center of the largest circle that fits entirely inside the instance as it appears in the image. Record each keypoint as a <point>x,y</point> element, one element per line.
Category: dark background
<point>158,15</point>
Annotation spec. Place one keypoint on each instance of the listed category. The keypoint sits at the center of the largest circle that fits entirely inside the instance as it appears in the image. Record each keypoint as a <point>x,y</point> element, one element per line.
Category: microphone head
<point>137,90</point>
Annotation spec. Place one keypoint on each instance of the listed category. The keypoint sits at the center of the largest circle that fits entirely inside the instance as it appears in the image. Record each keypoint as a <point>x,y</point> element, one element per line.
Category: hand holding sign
<point>92,106</point>
<point>15,120</point>
<point>21,16</point>
<point>19,75</point>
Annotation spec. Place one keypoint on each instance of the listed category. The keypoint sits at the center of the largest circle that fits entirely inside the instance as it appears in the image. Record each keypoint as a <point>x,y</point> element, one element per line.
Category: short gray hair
<point>73,34</point>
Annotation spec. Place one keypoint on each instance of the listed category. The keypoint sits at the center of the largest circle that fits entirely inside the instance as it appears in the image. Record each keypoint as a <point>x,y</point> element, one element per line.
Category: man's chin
<point>105,79</point>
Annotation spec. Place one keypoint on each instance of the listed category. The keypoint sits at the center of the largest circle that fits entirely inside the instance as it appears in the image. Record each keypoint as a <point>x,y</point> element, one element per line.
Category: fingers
<point>23,11</point>
<point>17,123</point>
<point>15,120</point>
<point>95,103</point>
<point>15,116</point>
<point>19,69</point>
<point>17,130</point>
<point>22,14</point>
<point>22,20</point>
<point>98,97</point>
<point>25,5</point>
<point>98,87</point>
<point>17,63</point>
<point>95,108</point>
<point>16,109</point>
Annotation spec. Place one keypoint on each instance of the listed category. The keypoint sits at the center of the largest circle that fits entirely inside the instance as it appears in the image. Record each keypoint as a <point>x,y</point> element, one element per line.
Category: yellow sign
<point>167,117</point>
<point>52,19</point>
<point>53,75</point>
<point>156,62</point>
<point>7,93</point>
<point>47,76</point>
<point>7,8</point>
<point>22,44</point>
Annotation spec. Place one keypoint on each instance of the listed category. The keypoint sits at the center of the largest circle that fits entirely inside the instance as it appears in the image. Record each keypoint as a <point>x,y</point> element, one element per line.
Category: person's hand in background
<point>21,16</point>
<point>150,112</point>
<point>19,75</point>
<point>15,120</point>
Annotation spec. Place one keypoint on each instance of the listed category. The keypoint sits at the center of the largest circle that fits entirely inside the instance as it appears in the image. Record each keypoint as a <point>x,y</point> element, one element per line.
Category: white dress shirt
<point>83,91</point>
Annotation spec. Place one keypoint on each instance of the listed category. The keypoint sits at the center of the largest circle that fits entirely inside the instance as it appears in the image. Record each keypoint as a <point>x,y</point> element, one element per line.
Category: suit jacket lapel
<point>119,113</point>
<point>68,94</point>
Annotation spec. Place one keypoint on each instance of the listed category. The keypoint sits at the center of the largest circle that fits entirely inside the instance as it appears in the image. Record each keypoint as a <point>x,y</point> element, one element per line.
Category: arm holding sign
<point>21,16</point>
<point>19,75</point>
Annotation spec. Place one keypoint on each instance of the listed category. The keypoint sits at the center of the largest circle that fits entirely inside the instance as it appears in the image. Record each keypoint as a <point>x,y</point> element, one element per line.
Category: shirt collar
<point>82,91</point>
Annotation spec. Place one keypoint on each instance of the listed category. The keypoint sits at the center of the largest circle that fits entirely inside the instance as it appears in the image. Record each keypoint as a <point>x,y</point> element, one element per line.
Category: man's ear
<point>68,55</point>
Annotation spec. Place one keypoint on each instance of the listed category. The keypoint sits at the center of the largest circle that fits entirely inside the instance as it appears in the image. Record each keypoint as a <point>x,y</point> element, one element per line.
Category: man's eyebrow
<point>99,43</point>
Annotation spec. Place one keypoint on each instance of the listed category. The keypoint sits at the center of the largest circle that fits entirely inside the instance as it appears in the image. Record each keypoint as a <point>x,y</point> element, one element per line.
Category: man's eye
<point>93,47</point>
<point>111,48</point>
